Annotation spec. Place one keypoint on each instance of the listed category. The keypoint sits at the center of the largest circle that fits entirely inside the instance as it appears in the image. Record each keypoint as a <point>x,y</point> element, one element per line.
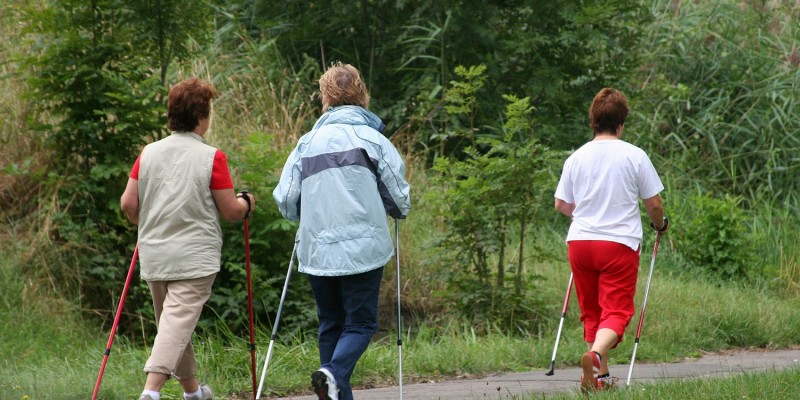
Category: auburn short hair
<point>608,111</point>
<point>342,85</point>
<point>188,102</point>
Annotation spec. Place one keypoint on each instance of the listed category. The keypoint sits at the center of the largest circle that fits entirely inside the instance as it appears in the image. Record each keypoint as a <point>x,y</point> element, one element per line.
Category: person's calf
<point>155,381</point>
<point>189,385</point>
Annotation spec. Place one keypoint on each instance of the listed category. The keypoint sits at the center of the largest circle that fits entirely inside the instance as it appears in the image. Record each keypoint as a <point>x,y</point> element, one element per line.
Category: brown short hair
<point>608,111</point>
<point>188,102</point>
<point>342,85</point>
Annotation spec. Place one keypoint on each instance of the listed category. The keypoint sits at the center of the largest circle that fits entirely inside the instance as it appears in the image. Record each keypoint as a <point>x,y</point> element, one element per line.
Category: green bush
<point>712,235</point>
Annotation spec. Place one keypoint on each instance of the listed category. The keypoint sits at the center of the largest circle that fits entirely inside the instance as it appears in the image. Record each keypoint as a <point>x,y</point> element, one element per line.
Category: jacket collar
<point>350,115</point>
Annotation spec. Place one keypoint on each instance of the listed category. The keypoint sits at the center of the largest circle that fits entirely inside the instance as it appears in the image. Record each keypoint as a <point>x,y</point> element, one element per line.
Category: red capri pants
<point>605,276</point>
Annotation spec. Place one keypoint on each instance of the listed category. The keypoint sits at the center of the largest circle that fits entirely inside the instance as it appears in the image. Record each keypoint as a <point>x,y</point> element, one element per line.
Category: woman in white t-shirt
<point>600,188</point>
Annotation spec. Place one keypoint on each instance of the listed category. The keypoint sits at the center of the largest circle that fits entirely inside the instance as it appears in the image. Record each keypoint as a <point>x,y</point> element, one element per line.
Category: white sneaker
<point>206,395</point>
<point>324,385</point>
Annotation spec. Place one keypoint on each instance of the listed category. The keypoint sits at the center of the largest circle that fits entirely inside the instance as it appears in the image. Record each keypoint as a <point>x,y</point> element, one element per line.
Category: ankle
<point>198,394</point>
<point>152,393</point>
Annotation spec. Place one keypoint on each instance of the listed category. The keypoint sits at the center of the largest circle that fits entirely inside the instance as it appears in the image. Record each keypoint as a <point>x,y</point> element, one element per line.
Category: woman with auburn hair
<point>178,188</point>
<point>341,181</point>
<point>600,188</point>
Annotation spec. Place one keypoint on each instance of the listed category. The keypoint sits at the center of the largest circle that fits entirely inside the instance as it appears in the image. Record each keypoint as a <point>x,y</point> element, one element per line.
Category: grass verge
<point>48,349</point>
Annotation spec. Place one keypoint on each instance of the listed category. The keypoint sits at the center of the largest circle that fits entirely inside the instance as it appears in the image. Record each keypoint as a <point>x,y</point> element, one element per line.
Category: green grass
<point>49,349</point>
<point>769,385</point>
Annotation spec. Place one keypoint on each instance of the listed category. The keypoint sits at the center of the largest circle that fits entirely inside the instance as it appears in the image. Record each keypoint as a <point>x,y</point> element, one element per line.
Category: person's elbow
<point>235,212</point>
<point>130,207</point>
<point>564,208</point>
<point>654,205</point>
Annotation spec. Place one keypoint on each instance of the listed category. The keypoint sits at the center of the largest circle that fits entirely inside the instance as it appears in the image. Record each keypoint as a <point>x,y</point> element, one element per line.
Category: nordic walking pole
<point>560,325</point>
<point>249,291</point>
<point>644,306</point>
<point>399,317</point>
<point>277,322</point>
<point>116,321</point>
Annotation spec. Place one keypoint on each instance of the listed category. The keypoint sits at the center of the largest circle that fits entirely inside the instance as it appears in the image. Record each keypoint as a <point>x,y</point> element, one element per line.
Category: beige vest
<point>179,233</point>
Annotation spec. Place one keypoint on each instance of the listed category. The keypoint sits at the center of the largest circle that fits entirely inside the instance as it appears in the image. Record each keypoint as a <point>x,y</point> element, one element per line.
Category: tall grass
<point>718,94</point>
<point>257,93</point>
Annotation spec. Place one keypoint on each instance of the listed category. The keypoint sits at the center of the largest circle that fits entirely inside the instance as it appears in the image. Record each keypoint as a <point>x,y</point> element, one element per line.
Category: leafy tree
<point>91,73</point>
<point>493,193</point>
<point>557,53</point>
<point>165,28</point>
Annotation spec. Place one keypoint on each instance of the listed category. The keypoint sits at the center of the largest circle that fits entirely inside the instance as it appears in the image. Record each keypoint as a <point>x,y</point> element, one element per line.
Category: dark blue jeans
<point>347,307</point>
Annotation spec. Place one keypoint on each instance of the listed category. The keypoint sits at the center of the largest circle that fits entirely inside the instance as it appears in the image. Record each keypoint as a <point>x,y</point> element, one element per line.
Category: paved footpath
<point>511,386</point>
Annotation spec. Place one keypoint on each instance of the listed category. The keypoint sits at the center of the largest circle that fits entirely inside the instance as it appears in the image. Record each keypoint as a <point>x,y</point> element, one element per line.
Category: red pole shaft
<point>116,321</point>
<point>250,305</point>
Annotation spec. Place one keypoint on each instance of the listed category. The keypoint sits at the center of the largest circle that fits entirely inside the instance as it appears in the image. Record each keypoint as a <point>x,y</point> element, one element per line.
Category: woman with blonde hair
<point>340,182</point>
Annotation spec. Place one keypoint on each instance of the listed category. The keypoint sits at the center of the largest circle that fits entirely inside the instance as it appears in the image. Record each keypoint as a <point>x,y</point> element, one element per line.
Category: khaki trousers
<point>177,305</point>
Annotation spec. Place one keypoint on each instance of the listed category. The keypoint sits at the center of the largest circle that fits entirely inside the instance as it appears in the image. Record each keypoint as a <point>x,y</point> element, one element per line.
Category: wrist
<point>244,195</point>
<point>663,227</point>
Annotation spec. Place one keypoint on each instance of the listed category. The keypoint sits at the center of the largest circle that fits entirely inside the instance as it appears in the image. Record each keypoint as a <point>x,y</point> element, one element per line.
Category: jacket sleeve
<point>287,193</point>
<point>394,190</point>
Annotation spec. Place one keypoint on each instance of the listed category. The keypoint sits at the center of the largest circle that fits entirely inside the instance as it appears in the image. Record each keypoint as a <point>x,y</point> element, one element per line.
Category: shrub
<point>488,201</point>
<point>712,235</point>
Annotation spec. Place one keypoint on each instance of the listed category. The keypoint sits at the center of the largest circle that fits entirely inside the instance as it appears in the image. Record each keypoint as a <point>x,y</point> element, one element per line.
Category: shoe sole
<point>587,380</point>
<point>319,381</point>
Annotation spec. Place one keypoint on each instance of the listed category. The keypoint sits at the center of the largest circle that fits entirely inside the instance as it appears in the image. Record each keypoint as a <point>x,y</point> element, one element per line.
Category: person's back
<point>176,191</point>
<point>607,178</point>
<point>344,227</point>
<point>179,230</point>
<point>341,181</point>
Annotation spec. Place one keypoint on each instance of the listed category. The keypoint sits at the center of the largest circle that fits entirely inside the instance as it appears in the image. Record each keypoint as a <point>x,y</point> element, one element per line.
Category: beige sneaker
<point>207,394</point>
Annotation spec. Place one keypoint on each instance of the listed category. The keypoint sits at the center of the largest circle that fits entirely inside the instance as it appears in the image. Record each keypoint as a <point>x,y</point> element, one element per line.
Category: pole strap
<point>243,194</point>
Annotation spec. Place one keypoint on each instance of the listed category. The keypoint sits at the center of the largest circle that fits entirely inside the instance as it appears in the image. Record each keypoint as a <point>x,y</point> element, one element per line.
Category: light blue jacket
<point>343,178</point>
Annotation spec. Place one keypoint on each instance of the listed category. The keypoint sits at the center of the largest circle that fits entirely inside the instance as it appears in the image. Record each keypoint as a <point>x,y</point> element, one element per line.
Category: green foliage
<point>271,240</point>
<point>461,105</point>
<point>164,29</point>
<point>713,237</point>
<point>720,93</point>
<point>92,75</point>
<point>558,53</point>
<point>486,199</point>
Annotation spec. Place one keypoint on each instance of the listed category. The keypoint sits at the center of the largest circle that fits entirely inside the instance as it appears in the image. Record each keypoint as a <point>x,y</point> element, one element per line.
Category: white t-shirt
<point>605,180</point>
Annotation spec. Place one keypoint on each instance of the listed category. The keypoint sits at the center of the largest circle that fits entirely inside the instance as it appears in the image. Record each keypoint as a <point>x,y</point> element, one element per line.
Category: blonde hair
<point>342,85</point>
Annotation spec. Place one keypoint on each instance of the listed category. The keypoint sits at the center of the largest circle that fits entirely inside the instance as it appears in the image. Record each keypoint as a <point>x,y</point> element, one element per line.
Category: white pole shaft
<point>277,322</point>
<point>644,307</point>
<point>561,323</point>
<point>399,317</point>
